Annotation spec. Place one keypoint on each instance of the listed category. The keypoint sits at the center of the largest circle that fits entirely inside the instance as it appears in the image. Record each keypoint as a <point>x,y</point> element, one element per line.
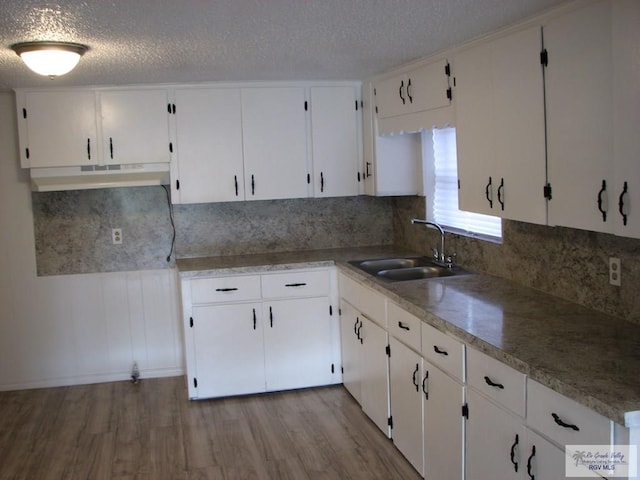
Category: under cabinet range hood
<point>91,177</point>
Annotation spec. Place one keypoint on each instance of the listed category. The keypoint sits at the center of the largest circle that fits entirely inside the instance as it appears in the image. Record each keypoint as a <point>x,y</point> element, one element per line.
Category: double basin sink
<point>406,268</point>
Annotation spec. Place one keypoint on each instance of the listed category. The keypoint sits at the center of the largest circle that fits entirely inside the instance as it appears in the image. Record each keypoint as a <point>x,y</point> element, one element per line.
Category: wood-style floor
<point>152,431</point>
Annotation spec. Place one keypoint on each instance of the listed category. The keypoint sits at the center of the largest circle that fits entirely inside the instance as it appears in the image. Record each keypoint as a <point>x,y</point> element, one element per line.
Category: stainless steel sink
<point>399,269</point>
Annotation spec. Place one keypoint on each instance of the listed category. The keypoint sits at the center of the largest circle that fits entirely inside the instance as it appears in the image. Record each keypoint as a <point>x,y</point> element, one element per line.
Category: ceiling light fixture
<point>50,58</point>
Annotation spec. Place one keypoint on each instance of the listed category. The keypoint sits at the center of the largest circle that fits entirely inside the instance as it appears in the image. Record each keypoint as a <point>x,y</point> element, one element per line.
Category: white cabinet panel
<point>275,143</point>
<point>334,133</point>
<point>60,128</point>
<point>368,301</point>
<point>135,126</point>
<point>209,145</point>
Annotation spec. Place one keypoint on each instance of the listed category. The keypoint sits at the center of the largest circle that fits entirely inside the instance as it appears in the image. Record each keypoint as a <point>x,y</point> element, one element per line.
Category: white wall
<point>62,330</point>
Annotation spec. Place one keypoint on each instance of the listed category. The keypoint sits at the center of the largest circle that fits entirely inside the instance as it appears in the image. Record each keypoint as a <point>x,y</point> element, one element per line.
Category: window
<point>441,189</point>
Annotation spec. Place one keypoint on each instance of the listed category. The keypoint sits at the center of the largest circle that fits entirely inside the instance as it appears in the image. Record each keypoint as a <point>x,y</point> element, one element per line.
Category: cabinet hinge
<point>333,368</point>
<point>449,93</point>
<point>339,311</point>
<point>374,92</point>
<point>458,184</point>
<point>547,191</point>
<point>171,108</point>
<point>24,113</point>
<point>465,411</point>
<point>170,147</point>
<point>447,70</point>
<point>26,152</point>
<point>306,105</point>
<point>195,382</point>
<point>358,176</point>
<point>177,184</point>
<point>387,350</point>
<point>544,58</point>
<point>390,422</point>
<point>309,178</point>
<point>330,310</point>
<point>191,322</point>
<point>376,109</point>
<point>341,369</point>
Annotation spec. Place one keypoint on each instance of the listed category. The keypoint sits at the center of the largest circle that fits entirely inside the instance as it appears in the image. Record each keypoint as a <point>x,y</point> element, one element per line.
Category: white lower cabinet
<point>495,438</point>
<point>405,367</point>
<point>255,333</point>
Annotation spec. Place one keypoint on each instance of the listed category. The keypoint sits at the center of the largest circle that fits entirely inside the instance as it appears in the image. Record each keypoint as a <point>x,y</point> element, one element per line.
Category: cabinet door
<point>297,343</point>
<point>579,118</point>
<point>274,128</point>
<point>405,375</point>
<point>334,134</point>
<point>350,347</point>
<point>494,441</point>
<point>209,145</point>
<point>443,398</point>
<point>374,373</point>
<point>229,352</point>
<point>427,87</point>
<point>135,126</point>
<point>61,128</point>
<point>369,135</point>
<point>391,97</point>
<point>626,75</point>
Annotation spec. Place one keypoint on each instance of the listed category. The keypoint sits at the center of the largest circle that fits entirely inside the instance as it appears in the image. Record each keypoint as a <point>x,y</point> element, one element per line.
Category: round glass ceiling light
<point>50,59</point>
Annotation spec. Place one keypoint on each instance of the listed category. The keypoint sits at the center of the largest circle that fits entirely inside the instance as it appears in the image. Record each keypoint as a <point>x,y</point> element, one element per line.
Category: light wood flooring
<point>152,431</point>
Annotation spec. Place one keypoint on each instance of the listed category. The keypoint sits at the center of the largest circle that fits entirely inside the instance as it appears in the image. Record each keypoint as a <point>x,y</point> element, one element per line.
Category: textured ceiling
<point>159,41</point>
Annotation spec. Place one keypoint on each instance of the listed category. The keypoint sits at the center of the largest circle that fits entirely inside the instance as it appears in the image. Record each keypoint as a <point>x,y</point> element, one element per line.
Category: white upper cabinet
<point>422,89</point>
<point>135,126</point>
<point>334,134</point>
<point>579,118</point>
<point>58,128</point>
<point>274,128</point>
<point>209,145</point>
<point>500,128</point>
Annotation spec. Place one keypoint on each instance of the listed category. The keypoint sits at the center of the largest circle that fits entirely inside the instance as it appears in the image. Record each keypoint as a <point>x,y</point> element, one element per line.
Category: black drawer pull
<point>492,383</point>
<point>295,284</point>
<point>513,453</point>
<point>413,378</point>
<point>440,352</point>
<point>226,289</point>
<point>529,463</point>
<point>403,326</point>
<point>559,421</point>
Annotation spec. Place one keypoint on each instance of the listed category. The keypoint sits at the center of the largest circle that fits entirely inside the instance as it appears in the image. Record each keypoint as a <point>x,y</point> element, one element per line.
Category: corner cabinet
<point>255,333</point>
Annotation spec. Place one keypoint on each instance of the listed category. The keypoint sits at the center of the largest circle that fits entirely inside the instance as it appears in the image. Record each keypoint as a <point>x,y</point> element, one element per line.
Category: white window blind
<point>445,197</point>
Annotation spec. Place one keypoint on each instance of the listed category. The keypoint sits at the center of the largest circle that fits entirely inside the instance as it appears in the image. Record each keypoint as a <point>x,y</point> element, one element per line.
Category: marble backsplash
<point>568,263</point>
<point>73,228</point>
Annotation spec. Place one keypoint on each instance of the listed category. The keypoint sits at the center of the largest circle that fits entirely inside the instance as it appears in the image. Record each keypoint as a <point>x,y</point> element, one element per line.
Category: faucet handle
<point>436,254</point>
<point>451,259</point>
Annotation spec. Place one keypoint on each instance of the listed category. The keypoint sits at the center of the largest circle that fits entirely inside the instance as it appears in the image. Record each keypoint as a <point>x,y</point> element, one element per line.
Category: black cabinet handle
<point>403,326</point>
<point>400,91</point>
<point>321,182</point>
<point>226,289</point>
<point>425,388</point>
<point>601,193</point>
<point>359,337</point>
<point>413,378</point>
<point>513,453</point>
<point>111,147</point>
<point>367,173</point>
<point>440,352</point>
<point>355,329</point>
<point>492,383</point>
<point>295,284</point>
<point>488,192</point>
<point>253,185</point>
<point>529,460</point>
<point>500,194</point>
<point>621,207</point>
<point>559,421</point>
<point>271,317</point>
<point>89,149</point>
<point>235,182</point>
<point>409,91</point>
<point>254,319</point>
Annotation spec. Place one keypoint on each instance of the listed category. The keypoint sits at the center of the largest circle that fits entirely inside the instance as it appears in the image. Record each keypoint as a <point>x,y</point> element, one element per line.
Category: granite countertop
<point>586,355</point>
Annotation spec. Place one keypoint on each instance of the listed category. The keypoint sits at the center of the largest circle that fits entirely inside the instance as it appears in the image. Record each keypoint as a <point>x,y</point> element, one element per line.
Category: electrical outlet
<point>116,236</point>
<point>614,271</point>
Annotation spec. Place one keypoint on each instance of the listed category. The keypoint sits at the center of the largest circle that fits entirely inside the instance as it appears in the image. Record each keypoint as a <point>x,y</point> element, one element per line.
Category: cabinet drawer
<point>497,381</point>
<point>404,326</point>
<point>296,284</point>
<point>225,289</point>
<point>547,411</point>
<point>371,303</point>
<point>443,351</point>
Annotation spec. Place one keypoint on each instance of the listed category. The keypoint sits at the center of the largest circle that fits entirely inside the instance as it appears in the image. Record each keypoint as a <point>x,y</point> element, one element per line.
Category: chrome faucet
<point>439,258</point>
